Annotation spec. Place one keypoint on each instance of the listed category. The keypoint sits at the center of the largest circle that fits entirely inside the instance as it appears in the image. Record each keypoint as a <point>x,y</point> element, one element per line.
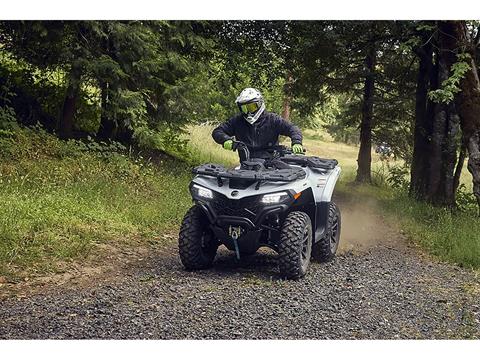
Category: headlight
<point>203,192</point>
<point>275,197</point>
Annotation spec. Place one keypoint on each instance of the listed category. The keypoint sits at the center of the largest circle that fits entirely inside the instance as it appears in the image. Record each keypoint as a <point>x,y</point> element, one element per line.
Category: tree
<point>362,59</point>
<point>364,170</point>
<point>49,46</point>
<point>423,116</point>
<point>457,42</point>
<point>435,170</point>
<point>136,68</point>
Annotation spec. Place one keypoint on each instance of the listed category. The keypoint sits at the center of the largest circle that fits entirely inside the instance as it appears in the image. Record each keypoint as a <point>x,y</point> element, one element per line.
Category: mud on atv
<point>282,202</point>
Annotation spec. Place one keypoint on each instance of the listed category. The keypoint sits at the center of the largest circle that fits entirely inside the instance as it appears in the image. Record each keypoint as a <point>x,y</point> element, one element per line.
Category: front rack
<point>220,172</point>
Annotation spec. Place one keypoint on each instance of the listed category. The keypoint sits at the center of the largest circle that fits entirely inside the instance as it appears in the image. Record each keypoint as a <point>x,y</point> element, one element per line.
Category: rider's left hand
<point>297,149</point>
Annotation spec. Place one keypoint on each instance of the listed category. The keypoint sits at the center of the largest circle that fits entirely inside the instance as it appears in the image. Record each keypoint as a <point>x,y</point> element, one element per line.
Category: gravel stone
<point>379,293</point>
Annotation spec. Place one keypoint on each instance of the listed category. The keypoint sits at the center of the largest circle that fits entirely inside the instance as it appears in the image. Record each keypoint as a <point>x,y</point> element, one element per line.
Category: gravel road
<point>385,290</point>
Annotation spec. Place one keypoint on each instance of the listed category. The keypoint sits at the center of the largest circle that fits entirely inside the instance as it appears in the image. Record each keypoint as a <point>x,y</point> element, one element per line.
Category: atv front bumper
<point>259,222</point>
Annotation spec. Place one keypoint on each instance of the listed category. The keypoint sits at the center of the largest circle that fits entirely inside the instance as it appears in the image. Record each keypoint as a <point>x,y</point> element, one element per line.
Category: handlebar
<point>242,149</point>
<point>276,150</point>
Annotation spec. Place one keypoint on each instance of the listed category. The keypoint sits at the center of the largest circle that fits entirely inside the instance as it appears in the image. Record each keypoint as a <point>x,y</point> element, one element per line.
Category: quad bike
<point>282,202</point>
<point>384,151</point>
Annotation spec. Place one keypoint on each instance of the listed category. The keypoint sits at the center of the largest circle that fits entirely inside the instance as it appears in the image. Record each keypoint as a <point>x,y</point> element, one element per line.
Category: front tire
<point>295,245</point>
<point>196,244</point>
<point>325,249</point>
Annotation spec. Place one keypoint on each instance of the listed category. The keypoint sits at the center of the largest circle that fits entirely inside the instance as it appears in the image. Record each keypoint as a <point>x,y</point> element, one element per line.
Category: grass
<point>58,199</point>
<point>205,150</point>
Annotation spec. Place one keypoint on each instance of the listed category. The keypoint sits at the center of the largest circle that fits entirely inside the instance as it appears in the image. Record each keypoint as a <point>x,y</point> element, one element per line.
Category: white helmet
<point>251,104</point>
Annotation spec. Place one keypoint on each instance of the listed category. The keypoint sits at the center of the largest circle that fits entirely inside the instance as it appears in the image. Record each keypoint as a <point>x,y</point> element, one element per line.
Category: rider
<point>257,128</point>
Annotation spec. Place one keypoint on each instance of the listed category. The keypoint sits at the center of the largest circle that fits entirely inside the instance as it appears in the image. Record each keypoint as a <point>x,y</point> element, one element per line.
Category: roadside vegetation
<point>58,199</point>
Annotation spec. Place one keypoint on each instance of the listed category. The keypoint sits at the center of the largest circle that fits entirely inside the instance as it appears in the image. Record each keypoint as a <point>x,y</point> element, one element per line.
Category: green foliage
<point>339,120</point>
<point>129,72</point>
<point>7,113</point>
<point>450,86</point>
<point>7,116</point>
<point>34,95</point>
<point>466,200</point>
<point>87,117</point>
<point>398,177</point>
<point>59,199</point>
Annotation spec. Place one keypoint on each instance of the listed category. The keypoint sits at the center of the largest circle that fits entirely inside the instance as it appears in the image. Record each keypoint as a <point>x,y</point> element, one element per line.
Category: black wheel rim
<point>206,241</point>
<point>334,233</point>
<point>305,242</point>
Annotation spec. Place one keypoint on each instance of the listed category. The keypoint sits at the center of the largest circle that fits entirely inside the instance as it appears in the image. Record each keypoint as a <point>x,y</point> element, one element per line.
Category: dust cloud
<point>363,227</point>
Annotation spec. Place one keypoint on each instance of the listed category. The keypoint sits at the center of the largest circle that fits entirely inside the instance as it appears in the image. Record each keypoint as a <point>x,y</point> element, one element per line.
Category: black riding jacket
<point>262,134</point>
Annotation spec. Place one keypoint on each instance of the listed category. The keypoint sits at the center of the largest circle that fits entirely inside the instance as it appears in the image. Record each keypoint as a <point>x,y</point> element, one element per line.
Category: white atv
<point>283,202</point>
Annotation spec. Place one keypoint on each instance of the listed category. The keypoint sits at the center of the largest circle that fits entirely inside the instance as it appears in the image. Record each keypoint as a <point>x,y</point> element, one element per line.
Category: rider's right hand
<point>228,145</point>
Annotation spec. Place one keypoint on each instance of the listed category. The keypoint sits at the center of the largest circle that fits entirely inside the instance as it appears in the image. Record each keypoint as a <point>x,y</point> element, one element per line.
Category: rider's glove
<point>228,145</point>
<point>297,149</point>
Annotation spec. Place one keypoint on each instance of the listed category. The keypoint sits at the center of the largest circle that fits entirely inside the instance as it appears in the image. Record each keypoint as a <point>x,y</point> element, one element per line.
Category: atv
<point>282,202</point>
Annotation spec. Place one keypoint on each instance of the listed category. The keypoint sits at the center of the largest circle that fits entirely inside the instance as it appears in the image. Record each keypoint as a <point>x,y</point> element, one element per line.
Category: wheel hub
<point>305,240</point>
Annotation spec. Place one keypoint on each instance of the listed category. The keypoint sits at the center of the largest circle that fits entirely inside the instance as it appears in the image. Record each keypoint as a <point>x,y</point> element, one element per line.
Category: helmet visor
<point>249,108</point>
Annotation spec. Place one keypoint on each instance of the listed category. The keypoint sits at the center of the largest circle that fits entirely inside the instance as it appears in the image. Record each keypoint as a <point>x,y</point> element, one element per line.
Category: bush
<point>398,176</point>
<point>466,200</point>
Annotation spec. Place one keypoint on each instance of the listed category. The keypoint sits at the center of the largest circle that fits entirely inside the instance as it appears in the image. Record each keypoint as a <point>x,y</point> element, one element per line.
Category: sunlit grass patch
<point>57,200</point>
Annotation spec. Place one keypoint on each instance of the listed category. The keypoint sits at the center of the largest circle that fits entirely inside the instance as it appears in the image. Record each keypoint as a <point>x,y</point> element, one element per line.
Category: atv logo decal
<point>235,232</point>
<point>234,193</point>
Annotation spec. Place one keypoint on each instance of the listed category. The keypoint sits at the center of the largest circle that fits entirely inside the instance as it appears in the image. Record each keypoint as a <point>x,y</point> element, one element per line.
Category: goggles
<point>249,108</point>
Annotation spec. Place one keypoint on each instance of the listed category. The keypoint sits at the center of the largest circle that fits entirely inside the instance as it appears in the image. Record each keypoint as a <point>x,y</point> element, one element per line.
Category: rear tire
<point>325,249</point>
<point>295,245</point>
<point>196,244</point>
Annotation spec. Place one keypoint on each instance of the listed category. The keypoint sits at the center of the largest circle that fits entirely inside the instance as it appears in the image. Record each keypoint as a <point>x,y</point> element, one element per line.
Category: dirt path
<point>377,287</point>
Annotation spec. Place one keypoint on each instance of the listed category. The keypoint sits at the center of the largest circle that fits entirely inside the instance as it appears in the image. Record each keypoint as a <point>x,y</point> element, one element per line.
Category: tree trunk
<point>443,147</point>
<point>365,152</point>
<point>65,125</point>
<point>107,125</point>
<point>286,107</point>
<point>468,99</point>
<point>440,184</point>
<point>434,193</point>
<point>459,168</point>
<point>287,97</point>
<point>423,124</point>
<point>473,164</point>
<point>450,155</point>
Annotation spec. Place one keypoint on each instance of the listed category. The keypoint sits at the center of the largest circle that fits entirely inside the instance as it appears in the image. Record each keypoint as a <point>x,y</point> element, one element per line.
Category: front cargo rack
<point>220,172</point>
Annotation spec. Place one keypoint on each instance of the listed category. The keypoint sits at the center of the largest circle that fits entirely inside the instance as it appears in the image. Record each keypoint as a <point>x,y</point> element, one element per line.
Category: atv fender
<point>325,194</point>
